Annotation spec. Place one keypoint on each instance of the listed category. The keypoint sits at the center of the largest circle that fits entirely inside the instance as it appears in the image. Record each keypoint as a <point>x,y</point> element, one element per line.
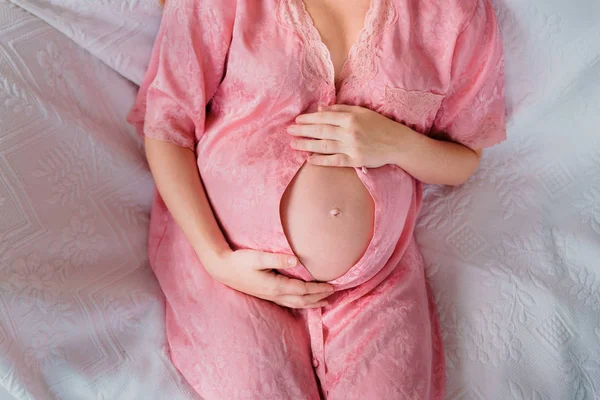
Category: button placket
<point>315,328</point>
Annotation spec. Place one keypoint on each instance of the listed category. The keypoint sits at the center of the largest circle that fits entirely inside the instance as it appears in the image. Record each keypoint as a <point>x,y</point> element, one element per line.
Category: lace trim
<point>316,60</point>
<point>315,57</point>
<point>489,132</point>
<point>360,65</point>
<point>166,133</point>
<point>415,107</point>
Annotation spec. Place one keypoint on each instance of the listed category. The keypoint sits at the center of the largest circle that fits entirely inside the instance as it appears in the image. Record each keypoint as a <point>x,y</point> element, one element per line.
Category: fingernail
<point>291,261</point>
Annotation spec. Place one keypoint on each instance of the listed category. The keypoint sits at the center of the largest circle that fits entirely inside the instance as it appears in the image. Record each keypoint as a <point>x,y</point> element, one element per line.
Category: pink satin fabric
<point>226,78</point>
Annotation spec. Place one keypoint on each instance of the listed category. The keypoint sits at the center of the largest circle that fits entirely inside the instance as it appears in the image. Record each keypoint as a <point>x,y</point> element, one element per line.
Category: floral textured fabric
<point>226,79</point>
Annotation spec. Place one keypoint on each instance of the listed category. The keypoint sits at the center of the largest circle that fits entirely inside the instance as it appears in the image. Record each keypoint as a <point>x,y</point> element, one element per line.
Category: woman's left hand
<point>348,136</point>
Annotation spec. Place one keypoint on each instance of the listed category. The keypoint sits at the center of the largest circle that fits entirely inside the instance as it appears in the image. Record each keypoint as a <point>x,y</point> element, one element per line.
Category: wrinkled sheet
<point>512,255</point>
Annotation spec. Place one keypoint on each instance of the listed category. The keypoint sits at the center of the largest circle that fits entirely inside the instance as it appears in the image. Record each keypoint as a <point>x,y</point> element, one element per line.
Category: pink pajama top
<point>227,77</point>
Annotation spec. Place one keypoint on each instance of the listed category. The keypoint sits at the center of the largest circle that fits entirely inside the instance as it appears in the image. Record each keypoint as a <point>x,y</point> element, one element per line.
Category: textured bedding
<point>512,255</point>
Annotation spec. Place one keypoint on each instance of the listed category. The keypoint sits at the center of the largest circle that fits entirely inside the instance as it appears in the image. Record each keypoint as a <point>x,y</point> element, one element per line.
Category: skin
<point>339,136</point>
<point>328,217</point>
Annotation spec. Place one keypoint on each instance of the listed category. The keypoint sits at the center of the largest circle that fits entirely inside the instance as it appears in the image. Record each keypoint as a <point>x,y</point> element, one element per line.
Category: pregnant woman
<point>289,140</point>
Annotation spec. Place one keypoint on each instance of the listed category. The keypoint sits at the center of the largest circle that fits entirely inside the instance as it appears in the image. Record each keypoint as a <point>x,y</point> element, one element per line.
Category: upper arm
<point>186,68</point>
<point>473,112</point>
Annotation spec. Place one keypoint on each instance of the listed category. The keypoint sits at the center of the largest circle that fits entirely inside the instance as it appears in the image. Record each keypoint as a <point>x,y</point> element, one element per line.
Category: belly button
<point>336,212</point>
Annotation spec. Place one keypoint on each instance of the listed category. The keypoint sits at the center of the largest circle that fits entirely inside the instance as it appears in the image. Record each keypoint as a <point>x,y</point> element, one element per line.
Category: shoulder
<point>454,16</point>
<point>201,11</point>
<point>455,12</point>
<point>217,7</point>
<point>219,4</point>
<point>476,12</point>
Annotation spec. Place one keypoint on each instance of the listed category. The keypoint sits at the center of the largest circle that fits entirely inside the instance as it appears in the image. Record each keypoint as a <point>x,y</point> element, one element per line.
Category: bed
<point>512,255</point>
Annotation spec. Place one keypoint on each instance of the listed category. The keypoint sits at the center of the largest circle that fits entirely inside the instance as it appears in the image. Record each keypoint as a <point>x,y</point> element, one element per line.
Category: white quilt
<point>513,255</point>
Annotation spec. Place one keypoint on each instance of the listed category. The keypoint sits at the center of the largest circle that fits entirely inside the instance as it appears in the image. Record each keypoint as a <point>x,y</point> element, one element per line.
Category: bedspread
<point>512,255</point>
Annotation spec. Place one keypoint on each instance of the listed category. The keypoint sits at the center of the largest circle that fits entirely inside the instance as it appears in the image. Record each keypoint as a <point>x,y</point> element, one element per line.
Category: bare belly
<point>327,215</point>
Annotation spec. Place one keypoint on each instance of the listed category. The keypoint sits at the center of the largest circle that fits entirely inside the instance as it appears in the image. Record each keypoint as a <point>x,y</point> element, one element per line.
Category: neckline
<point>317,39</point>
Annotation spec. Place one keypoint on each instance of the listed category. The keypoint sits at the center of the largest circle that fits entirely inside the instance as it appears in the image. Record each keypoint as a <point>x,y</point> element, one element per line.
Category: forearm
<point>435,161</point>
<point>177,179</point>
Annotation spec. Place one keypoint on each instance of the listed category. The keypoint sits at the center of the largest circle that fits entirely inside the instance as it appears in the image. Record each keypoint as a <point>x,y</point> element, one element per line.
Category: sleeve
<point>186,68</point>
<point>473,112</point>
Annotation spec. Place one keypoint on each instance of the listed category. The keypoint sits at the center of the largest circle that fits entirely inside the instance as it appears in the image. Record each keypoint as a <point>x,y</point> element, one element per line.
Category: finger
<point>317,146</point>
<point>336,160</point>
<point>301,301</point>
<point>286,305</point>
<point>340,108</point>
<point>316,131</point>
<point>274,261</point>
<point>341,119</point>
<point>289,286</point>
<point>316,305</point>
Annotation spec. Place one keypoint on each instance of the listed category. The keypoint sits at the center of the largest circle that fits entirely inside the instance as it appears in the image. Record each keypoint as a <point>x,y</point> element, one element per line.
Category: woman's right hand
<point>252,272</point>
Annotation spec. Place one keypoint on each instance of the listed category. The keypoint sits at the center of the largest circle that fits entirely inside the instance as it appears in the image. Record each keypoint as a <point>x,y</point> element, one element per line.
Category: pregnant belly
<point>327,215</point>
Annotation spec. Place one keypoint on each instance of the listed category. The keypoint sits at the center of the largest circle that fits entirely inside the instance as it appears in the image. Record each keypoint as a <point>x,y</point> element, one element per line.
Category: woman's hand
<point>348,136</point>
<point>252,272</point>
